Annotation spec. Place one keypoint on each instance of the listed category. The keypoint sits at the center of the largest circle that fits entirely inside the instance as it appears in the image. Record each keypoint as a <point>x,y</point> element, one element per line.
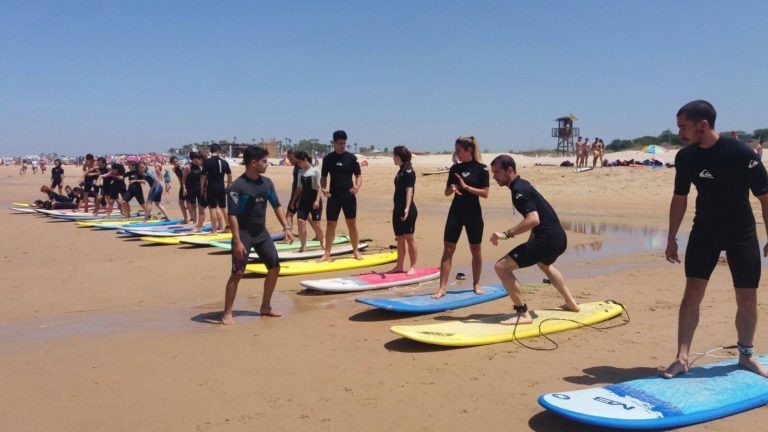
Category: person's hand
<point>455,189</point>
<point>316,205</point>
<point>405,215</point>
<point>496,236</point>
<point>354,190</point>
<point>325,192</point>
<point>765,250</point>
<point>289,236</point>
<point>671,252</point>
<point>462,185</point>
<point>239,250</point>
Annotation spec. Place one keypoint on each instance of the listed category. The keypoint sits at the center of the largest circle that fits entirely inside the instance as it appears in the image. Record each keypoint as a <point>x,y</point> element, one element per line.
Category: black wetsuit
<point>723,175</point>
<point>117,188</point>
<point>306,204</point>
<point>465,211</point>
<point>247,199</point>
<point>179,176</point>
<point>341,167</point>
<point>57,173</point>
<point>134,189</point>
<point>549,240</point>
<point>106,183</point>
<point>194,194</point>
<point>214,169</point>
<point>404,179</point>
<point>89,180</point>
<point>294,184</point>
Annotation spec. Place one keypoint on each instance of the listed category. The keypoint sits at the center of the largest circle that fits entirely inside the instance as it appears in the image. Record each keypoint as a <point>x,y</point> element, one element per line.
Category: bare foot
<point>302,250</point>
<point>478,290</point>
<point>324,258</point>
<point>518,319</point>
<point>227,319</point>
<point>570,307</point>
<point>439,294</point>
<point>270,313</point>
<point>396,270</point>
<point>676,368</point>
<point>411,271</point>
<point>358,255</point>
<point>751,364</point>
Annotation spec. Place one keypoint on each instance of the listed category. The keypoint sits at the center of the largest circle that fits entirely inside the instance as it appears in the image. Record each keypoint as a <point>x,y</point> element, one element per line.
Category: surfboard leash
<point>555,346</point>
<point>709,354</point>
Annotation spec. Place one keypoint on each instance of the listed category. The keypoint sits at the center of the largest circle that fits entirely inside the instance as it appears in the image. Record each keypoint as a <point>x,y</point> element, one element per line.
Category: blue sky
<point>129,76</point>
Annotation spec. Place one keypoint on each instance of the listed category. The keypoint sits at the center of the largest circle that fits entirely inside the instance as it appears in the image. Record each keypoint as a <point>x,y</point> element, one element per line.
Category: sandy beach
<point>103,333</point>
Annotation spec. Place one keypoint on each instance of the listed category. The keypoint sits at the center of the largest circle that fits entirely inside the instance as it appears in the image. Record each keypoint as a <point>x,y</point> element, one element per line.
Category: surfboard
<point>21,205</point>
<point>309,267</point>
<point>424,303</point>
<point>205,240</point>
<point>705,393</point>
<point>287,255</point>
<point>581,170</point>
<point>439,171</point>
<point>134,224</point>
<point>108,222</point>
<point>311,244</point>
<point>25,210</point>
<point>371,281</point>
<point>177,239</point>
<point>162,231</point>
<point>487,330</point>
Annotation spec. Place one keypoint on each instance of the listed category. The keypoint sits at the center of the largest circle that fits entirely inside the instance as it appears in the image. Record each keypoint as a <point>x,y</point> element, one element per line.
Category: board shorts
<point>195,197</point>
<point>305,212</point>
<point>215,196</point>
<point>134,193</point>
<point>262,244</point>
<point>545,249</point>
<point>741,251</point>
<point>89,186</point>
<point>408,226</point>
<point>117,192</point>
<point>338,202</point>
<point>55,182</point>
<point>182,195</point>
<point>474,225</point>
<point>156,193</point>
<point>292,210</point>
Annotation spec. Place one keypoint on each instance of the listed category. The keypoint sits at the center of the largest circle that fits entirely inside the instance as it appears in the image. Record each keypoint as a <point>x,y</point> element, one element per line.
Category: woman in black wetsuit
<point>467,181</point>
<point>404,211</point>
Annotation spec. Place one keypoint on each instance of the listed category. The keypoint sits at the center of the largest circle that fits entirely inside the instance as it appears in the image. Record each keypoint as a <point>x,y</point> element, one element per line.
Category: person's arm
<point>676,212</point>
<point>482,192</point>
<point>529,222</point>
<point>358,184</point>
<point>408,200</point>
<point>238,248</point>
<point>287,229</point>
<point>323,179</point>
<point>295,197</point>
<point>203,184</point>
<point>764,207</point>
<point>229,178</point>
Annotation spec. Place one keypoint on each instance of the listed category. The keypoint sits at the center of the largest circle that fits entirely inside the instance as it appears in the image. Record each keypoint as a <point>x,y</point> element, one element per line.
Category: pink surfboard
<point>370,281</point>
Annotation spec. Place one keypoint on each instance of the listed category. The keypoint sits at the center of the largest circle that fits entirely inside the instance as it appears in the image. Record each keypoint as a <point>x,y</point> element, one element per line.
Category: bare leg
<point>410,242</point>
<point>400,255</point>
<point>477,266</point>
<point>269,287</point>
<point>330,233</point>
<point>354,237</point>
<point>445,268</point>
<point>162,209</point>
<point>200,218</point>
<point>229,298</point>
<point>688,320</point>
<point>746,322</point>
<point>302,234</point>
<point>557,280</point>
<point>184,212</point>
<point>318,229</point>
<point>505,270</point>
<point>192,213</point>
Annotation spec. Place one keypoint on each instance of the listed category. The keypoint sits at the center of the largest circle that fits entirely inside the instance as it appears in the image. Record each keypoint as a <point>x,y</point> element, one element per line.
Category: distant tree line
<point>670,139</point>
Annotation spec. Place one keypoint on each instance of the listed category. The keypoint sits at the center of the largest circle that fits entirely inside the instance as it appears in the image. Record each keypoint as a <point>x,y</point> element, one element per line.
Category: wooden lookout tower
<point>564,132</point>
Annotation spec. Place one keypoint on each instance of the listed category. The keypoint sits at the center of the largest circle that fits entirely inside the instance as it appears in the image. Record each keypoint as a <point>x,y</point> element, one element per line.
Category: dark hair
<point>102,159</point>
<point>215,148</point>
<point>339,135</point>
<point>302,155</point>
<point>699,110</point>
<point>89,157</point>
<point>289,151</point>
<point>505,162</point>
<point>404,154</point>
<point>57,160</point>
<point>254,153</point>
<point>174,159</point>
<point>195,155</point>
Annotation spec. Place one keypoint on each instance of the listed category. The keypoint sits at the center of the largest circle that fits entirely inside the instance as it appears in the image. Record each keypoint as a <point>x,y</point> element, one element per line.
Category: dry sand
<point>100,333</point>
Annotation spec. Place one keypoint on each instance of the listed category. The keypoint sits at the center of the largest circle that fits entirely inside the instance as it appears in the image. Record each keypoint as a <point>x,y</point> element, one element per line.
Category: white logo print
<point>465,174</point>
<point>518,196</point>
<point>339,164</point>
<point>485,168</point>
<point>234,196</point>
<point>752,163</point>
<point>706,174</point>
<point>258,199</point>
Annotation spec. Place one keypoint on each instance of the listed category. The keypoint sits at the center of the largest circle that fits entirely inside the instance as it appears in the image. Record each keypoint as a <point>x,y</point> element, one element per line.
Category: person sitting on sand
<point>404,212</point>
<point>545,244</point>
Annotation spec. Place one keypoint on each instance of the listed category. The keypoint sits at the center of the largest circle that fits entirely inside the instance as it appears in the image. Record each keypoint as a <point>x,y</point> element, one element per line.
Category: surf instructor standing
<point>723,171</point>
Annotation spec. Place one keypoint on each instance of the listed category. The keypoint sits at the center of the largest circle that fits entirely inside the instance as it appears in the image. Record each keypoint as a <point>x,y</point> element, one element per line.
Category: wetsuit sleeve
<point>316,180</point>
<point>410,179</point>
<point>227,170</point>
<point>274,201</point>
<point>758,178</point>
<point>523,202</point>
<point>484,177</point>
<point>356,166</point>
<point>682,179</point>
<point>325,167</point>
<point>234,199</point>
<point>205,171</point>
<point>451,177</point>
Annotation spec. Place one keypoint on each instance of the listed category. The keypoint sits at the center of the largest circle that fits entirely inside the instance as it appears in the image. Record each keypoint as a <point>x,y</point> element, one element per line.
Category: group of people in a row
<point>583,148</point>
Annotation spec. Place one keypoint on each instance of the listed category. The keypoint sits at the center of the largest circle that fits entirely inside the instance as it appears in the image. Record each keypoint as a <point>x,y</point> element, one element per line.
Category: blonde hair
<point>470,142</point>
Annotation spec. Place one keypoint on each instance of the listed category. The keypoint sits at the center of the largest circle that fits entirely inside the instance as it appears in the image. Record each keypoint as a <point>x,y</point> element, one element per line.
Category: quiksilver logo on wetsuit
<point>752,163</point>
<point>339,164</point>
<point>234,196</point>
<point>706,174</point>
<point>518,196</point>
<point>465,174</point>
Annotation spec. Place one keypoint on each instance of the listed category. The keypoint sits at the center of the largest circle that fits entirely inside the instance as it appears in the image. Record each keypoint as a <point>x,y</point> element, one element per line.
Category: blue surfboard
<point>705,393</point>
<point>426,304</point>
<point>156,223</point>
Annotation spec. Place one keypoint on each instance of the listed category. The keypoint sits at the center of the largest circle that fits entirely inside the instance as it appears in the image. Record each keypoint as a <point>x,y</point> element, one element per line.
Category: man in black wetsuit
<point>546,242</point>
<point>247,200</point>
<point>214,191</point>
<point>178,170</point>
<point>723,171</point>
<point>57,175</point>
<point>342,195</point>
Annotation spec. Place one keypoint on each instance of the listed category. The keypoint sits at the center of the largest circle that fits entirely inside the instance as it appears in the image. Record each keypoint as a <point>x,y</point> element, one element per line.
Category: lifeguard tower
<point>564,132</point>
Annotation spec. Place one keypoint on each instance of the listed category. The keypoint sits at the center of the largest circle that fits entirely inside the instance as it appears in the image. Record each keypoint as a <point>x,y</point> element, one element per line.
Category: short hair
<point>302,155</point>
<point>699,110</point>
<point>339,135</point>
<point>195,155</point>
<point>505,162</point>
<point>173,159</point>
<point>57,160</point>
<point>254,153</point>
<point>102,159</point>
<point>89,157</point>
<point>289,151</point>
<point>215,148</point>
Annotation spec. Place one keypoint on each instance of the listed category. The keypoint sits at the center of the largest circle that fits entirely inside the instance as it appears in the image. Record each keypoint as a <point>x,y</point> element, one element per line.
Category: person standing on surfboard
<point>307,202</point>
<point>723,171</point>
<point>247,200</point>
<point>214,191</point>
<point>404,212</point>
<point>342,195</point>
<point>467,182</point>
<point>545,244</point>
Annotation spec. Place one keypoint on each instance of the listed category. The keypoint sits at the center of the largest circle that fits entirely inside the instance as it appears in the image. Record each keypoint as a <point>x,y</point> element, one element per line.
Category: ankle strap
<point>745,350</point>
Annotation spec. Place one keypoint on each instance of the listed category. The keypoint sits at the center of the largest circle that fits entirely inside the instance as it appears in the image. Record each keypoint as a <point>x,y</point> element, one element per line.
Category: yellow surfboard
<point>487,330</point>
<point>177,239</point>
<point>309,267</point>
<point>20,205</point>
<point>97,222</point>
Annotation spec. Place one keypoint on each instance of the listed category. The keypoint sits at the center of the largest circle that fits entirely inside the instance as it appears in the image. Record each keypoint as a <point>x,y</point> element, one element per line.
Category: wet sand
<point>102,333</point>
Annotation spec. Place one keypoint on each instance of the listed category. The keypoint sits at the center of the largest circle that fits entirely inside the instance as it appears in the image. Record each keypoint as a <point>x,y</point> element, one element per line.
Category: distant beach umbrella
<point>654,149</point>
